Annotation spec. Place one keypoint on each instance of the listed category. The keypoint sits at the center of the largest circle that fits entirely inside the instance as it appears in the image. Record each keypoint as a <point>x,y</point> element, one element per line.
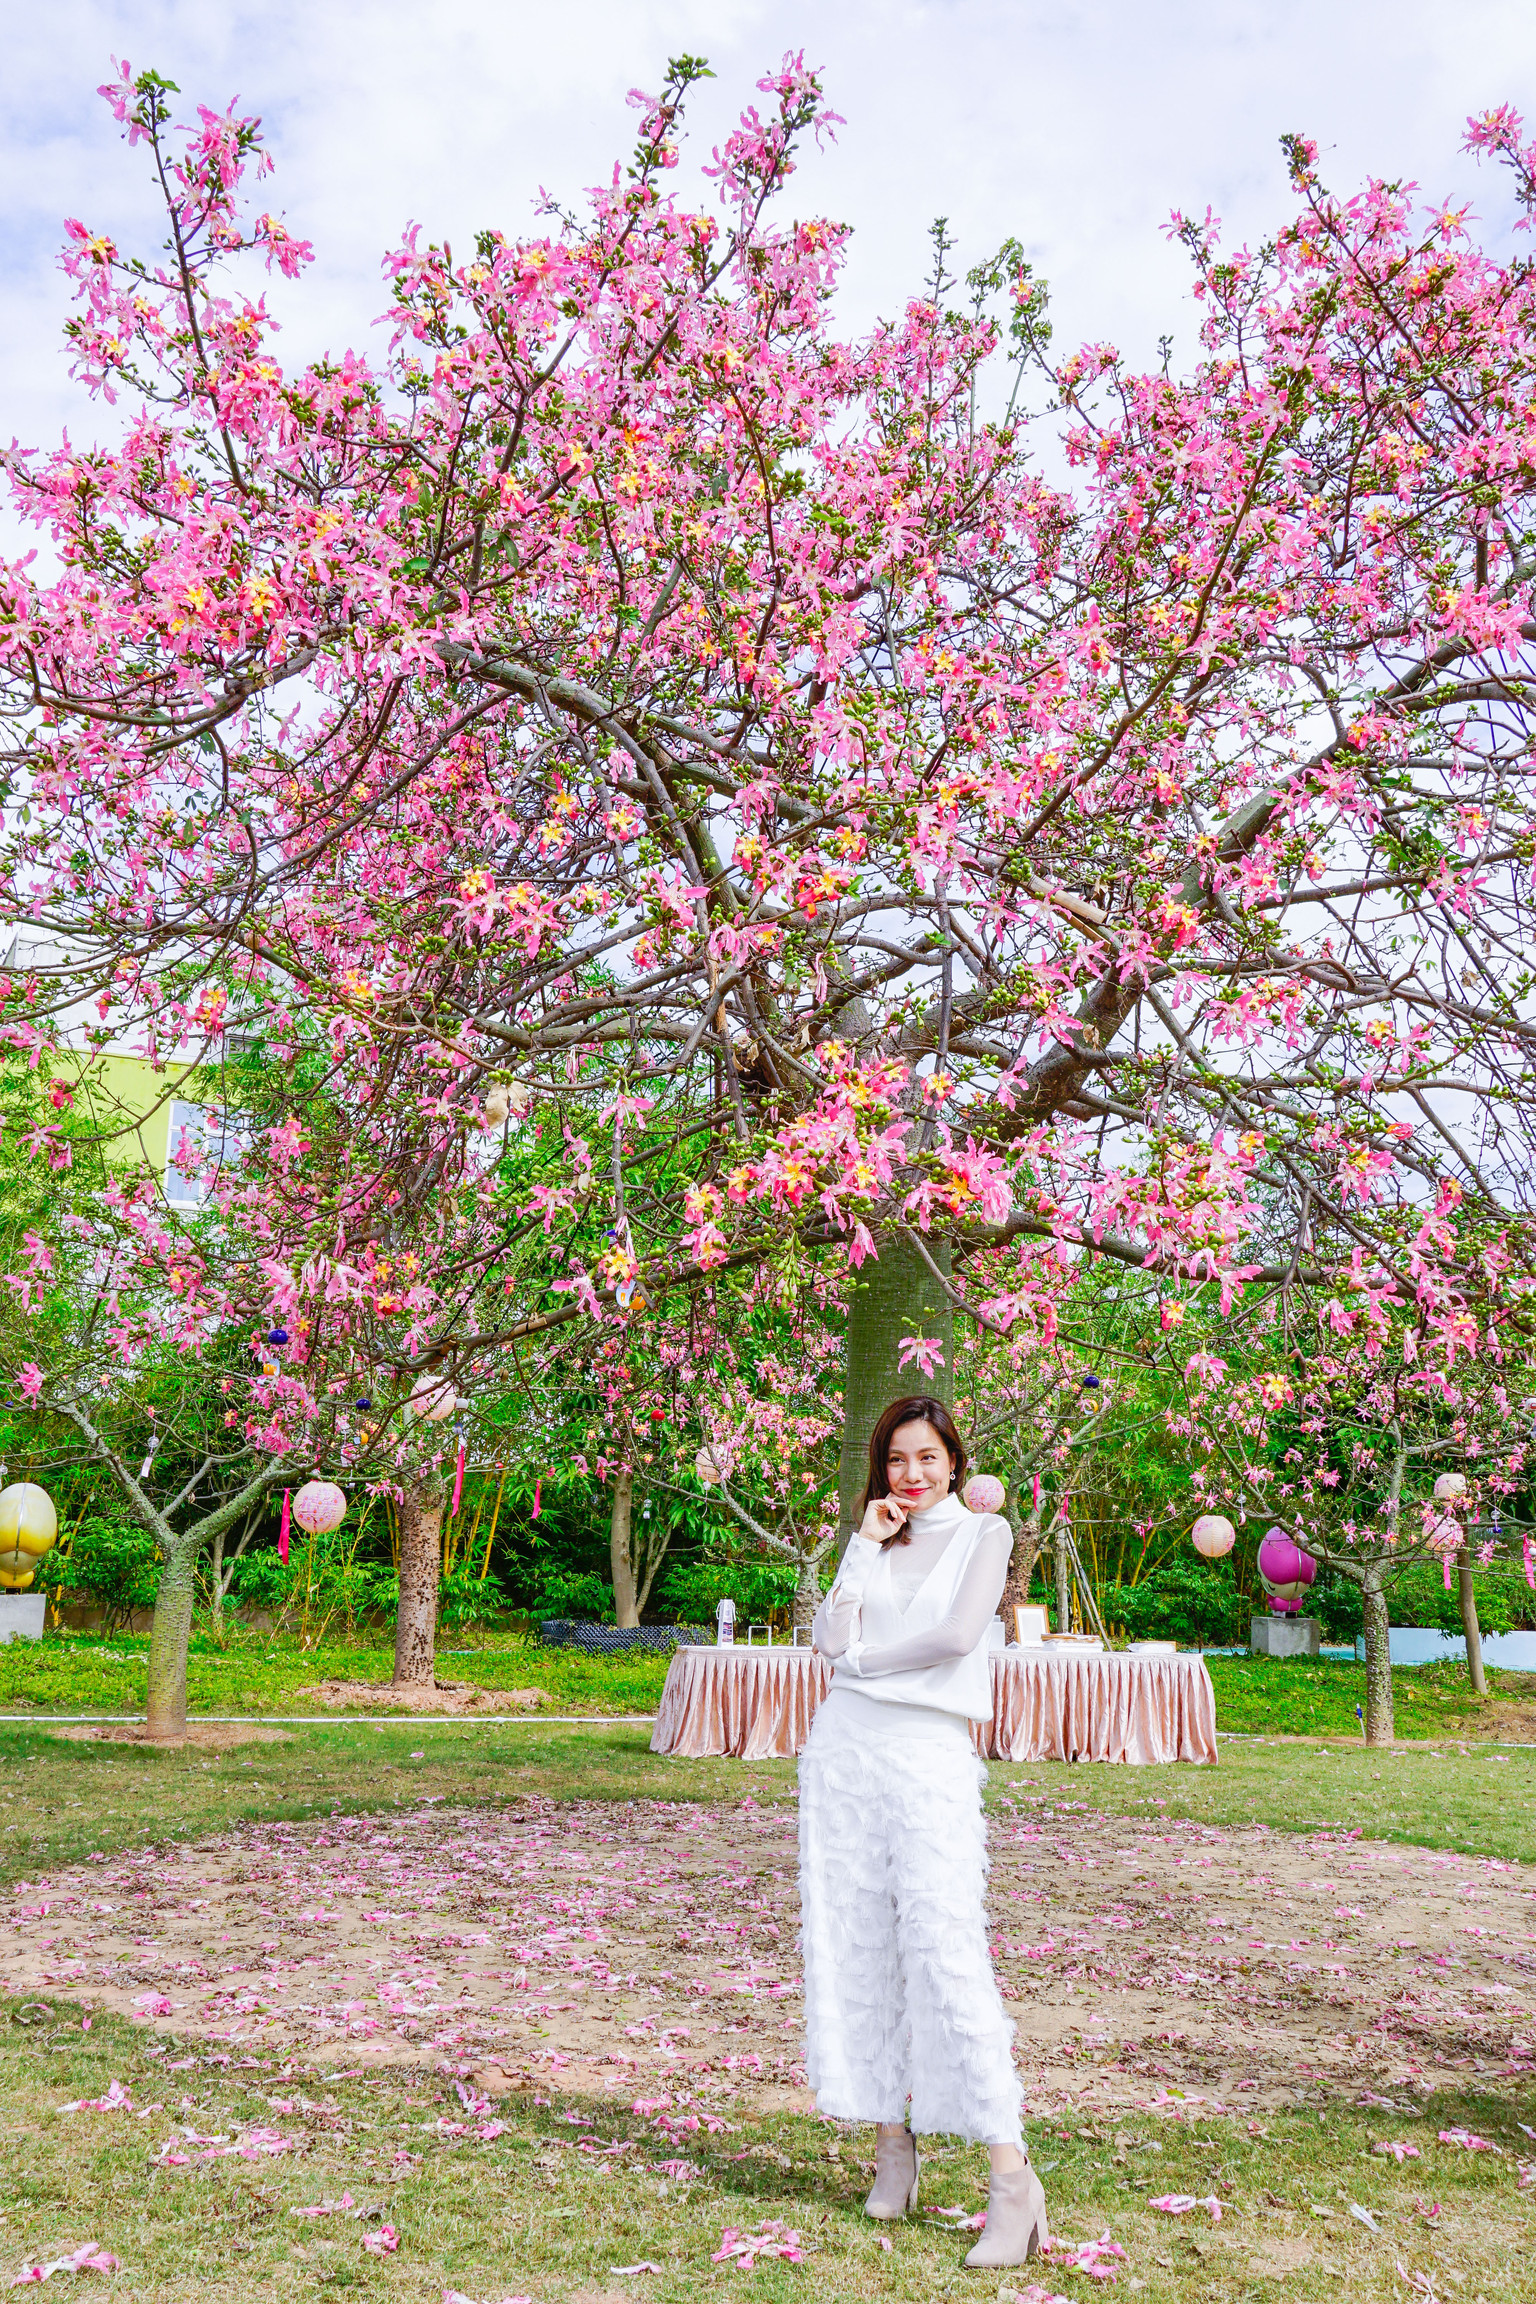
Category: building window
<point>202,1140</point>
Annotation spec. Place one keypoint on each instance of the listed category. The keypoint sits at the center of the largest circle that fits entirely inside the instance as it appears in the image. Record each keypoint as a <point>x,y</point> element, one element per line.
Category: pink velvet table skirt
<point>758,1703</point>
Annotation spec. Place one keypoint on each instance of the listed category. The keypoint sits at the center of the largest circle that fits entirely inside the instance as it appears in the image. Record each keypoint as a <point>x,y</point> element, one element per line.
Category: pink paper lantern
<point>983,1492</point>
<point>1213,1534</point>
<point>319,1507</point>
<point>1450,1486</point>
<point>433,1401</point>
<point>1285,1572</point>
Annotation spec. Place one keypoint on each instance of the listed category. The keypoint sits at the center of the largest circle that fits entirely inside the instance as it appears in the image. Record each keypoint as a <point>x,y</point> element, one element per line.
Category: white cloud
<point>1076,126</point>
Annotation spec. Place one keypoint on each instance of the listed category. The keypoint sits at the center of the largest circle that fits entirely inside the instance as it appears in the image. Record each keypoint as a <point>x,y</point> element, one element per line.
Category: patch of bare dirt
<point>1167,1968</point>
<point>207,1735</point>
<point>450,1696</point>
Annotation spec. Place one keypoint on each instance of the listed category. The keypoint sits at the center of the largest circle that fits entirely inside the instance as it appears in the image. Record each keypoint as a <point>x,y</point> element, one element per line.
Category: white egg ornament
<point>28,1526</point>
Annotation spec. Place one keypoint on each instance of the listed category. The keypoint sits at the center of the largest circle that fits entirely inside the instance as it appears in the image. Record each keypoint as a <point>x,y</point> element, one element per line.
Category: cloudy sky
<point>1075,124</point>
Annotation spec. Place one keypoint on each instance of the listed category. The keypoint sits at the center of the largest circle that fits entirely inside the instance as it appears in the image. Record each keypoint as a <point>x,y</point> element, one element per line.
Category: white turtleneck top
<point>839,1622</point>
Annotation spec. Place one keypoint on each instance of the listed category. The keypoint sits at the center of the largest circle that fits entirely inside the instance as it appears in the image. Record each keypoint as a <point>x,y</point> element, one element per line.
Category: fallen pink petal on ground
<point>116,2099</point>
<point>89,2258</point>
<point>1089,2256</point>
<point>773,2241</point>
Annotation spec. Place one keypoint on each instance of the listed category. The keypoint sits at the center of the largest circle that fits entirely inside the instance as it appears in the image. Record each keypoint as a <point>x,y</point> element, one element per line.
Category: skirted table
<point>758,1704</point>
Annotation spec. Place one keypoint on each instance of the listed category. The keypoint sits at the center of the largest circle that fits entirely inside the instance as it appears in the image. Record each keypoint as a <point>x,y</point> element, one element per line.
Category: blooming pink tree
<point>629,686</point>
<point>270,1320</point>
<point>1382,1414</point>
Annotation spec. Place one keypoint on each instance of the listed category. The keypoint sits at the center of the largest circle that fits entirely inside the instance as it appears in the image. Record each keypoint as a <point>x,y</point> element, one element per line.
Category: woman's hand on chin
<point>884,1519</point>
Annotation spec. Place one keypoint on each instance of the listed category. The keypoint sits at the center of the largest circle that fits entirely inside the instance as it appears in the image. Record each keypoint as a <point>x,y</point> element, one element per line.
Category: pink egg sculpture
<point>1213,1534</point>
<point>1285,1572</point>
<point>319,1506</point>
<point>983,1492</point>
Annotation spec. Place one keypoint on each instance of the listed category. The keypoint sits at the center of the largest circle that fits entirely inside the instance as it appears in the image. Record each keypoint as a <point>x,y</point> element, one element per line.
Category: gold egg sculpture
<point>28,1526</point>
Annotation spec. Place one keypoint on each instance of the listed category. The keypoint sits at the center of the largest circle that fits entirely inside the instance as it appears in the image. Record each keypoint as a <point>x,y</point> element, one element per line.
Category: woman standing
<point>900,1999</point>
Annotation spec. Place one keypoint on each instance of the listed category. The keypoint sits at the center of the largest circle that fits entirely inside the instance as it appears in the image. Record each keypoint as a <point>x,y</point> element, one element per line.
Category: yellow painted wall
<point>131,1095</point>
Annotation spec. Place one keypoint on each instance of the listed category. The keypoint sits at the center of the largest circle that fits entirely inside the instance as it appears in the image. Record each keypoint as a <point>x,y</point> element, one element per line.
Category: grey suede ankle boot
<point>1015,2225</point>
<point>897,2167</point>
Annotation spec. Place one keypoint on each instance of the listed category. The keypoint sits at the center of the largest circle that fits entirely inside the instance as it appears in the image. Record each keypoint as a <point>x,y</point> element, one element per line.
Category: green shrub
<point>464,1596</point>
<point>321,1581</point>
<point>1197,1605</point>
<point>584,1598</point>
<point>693,1589</point>
<point>1505,1601</point>
<point>113,1563</point>
<point>1338,1607</point>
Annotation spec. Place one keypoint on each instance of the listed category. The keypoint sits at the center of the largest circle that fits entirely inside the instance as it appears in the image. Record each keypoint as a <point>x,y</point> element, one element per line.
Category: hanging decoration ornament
<point>1450,1488</point>
<point>282,1533</point>
<point>1213,1535</point>
<point>432,1402</point>
<point>458,1479</point>
<point>983,1492</point>
<point>319,1507</point>
<point>28,1526</point>
<point>706,1471</point>
<point>1285,1572</point>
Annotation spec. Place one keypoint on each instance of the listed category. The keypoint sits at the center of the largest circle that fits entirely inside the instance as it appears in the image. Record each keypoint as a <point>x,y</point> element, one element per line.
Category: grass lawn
<point>251,1672</point>
<point>61,1802</point>
<point>255,1674</point>
<point>566,2185</point>
<point>529,2213</point>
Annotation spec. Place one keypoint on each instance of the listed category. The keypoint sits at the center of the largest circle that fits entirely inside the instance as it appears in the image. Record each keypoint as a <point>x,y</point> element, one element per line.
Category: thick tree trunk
<point>1021,1567</point>
<point>1467,1596</point>
<point>421,1558</point>
<point>216,1602</point>
<point>1379,1723</point>
<point>894,1295</point>
<point>626,1605</point>
<point>168,1636</point>
<point>807,1599</point>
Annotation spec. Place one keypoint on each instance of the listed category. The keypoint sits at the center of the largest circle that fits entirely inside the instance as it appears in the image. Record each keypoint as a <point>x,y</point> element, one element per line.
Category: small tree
<point>1352,1399</point>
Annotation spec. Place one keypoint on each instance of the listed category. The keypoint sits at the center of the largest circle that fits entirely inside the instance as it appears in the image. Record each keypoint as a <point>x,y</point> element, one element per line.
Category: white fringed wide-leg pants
<point>900,1998</point>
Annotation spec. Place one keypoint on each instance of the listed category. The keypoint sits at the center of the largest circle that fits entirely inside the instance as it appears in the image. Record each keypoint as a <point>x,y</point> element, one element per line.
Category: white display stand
<point>21,1615</point>
<point>1285,1636</point>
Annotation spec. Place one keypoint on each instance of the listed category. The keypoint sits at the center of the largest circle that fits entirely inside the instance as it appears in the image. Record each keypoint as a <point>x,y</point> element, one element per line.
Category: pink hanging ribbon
<point>538,1508</point>
<point>458,1481</point>
<point>1530,1570</point>
<point>1446,1565</point>
<point>282,1534</point>
<point>1034,1493</point>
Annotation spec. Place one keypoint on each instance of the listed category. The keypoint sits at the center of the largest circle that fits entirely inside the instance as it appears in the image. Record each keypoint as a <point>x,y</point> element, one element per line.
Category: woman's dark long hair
<point>916,1408</point>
